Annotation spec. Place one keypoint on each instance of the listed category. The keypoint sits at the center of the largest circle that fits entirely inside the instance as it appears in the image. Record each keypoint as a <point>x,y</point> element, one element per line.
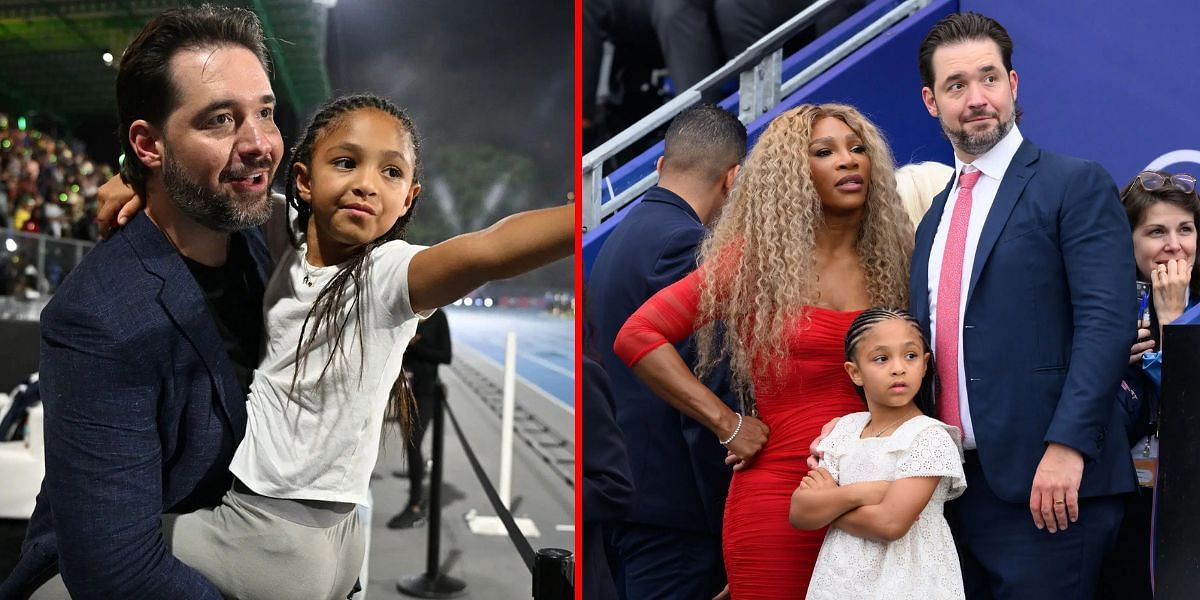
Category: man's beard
<point>224,212</point>
<point>977,144</point>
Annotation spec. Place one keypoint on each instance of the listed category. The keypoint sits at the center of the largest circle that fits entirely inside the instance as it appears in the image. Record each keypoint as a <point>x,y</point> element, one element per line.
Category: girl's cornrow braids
<point>324,311</point>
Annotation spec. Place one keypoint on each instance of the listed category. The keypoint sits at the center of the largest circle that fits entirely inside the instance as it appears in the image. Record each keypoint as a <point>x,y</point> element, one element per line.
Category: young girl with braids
<point>885,474</point>
<point>339,311</point>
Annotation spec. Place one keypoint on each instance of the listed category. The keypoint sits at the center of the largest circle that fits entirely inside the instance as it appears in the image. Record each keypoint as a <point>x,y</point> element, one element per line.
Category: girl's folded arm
<point>890,519</point>
<point>816,508</point>
<point>441,274</point>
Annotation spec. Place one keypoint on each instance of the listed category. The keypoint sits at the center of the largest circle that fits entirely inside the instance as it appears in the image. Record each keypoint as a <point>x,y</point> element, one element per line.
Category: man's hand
<point>1143,345</point>
<point>748,441</point>
<point>1054,500</point>
<point>723,594</point>
<point>116,203</point>
<point>818,479</point>
<point>814,456</point>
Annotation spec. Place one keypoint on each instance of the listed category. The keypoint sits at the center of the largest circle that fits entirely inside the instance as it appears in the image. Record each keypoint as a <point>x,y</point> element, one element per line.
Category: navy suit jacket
<point>607,489</point>
<point>143,413</point>
<point>1049,320</point>
<point>679,475</point>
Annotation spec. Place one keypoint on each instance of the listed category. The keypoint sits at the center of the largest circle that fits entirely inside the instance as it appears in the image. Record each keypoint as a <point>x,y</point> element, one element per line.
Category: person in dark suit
<point>1021,274</point>
<point>148,346</point>
<point>429,349</point>
<point>607,485</point>
<point>670,544</point>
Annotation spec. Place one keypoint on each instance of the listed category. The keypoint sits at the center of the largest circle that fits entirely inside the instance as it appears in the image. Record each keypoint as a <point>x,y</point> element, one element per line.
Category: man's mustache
<point>248,169</point>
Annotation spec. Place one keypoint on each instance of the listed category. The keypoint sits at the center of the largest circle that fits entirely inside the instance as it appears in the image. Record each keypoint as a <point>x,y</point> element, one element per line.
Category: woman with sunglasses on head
<point>1163,211</point>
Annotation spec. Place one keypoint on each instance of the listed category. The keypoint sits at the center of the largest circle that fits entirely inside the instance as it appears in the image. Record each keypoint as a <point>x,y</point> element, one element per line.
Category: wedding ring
<point>1059,502</point>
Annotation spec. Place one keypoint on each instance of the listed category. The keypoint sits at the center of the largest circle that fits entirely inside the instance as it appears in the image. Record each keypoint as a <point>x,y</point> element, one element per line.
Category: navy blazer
<point>679,475</point>
<point>1050,314</point>
<point>607,489</point>
<point>143,411</point>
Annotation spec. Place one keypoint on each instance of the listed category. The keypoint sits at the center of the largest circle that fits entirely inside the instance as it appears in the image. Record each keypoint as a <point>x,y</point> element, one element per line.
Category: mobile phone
<point>1143,296</point>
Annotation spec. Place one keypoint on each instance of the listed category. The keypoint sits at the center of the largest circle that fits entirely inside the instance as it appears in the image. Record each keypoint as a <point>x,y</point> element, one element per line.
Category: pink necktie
<point>949,296</point>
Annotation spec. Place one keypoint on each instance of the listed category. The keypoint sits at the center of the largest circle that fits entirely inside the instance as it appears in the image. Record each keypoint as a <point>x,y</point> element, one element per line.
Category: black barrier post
<point>553,575</point>
<point>432,583</point>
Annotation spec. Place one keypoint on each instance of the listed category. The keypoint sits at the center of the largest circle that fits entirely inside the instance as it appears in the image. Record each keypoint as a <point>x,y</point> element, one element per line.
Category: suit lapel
<point>184,302</point>
<point>1018,174</point>
<point>926,231</point>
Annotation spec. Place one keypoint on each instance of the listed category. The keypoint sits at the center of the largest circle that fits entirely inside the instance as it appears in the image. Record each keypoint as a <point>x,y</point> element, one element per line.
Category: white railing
<point>760,89</point>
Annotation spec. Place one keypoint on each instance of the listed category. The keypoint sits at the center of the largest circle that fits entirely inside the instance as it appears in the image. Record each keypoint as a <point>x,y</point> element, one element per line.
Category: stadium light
<point>10,245</point>
<point>107,57</point>
<point>487,303</point>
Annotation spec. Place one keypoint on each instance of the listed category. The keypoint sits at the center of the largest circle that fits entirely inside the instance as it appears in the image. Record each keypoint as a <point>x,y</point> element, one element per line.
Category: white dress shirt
<point>993,164</point>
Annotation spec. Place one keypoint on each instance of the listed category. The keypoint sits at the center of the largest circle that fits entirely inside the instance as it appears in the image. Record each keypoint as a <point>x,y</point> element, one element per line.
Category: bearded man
<point>148,346</point>
<point>1022,273</point>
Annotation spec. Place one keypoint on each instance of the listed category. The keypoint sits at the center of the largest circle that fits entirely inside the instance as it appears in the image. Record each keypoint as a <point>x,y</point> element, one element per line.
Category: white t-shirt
<point>322,443</point>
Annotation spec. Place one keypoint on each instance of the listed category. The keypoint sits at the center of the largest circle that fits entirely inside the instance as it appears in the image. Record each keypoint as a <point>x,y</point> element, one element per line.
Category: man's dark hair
<point>144,86</point>
<point>704,140</point>
<point>957,28</point>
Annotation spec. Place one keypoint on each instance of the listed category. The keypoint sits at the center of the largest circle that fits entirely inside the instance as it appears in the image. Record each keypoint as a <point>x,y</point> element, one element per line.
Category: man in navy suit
<point>148,346</point>
<point>1022,273</point>
<point>670,544</point>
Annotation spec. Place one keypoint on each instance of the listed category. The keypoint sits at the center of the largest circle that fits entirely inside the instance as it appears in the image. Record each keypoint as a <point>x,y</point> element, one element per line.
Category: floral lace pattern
<point>922,565</point>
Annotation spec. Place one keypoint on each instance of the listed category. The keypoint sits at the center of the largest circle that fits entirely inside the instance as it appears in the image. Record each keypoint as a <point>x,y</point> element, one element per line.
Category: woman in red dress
<point>813,233</point>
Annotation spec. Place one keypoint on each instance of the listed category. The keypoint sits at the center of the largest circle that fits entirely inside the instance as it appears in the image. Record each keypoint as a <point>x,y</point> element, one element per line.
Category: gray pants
<point>257,548</point>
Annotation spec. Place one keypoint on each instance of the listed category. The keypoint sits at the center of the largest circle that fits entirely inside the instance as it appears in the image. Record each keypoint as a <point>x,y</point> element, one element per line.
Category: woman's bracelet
<point>725,442</point>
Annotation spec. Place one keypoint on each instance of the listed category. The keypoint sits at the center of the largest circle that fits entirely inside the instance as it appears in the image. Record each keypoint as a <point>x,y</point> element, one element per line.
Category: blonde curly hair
<point>760,260</point>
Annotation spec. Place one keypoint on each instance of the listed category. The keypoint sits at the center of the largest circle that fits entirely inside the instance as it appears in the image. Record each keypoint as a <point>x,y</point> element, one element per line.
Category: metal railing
<point>51,257</point>
<point>760,89</point>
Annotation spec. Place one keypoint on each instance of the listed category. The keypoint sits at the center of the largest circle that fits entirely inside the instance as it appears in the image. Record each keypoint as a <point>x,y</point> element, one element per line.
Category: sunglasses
<point>1151,181</point>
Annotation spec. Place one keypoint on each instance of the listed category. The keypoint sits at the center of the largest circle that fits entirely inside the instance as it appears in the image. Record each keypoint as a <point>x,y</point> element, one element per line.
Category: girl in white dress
<point>884,475</point>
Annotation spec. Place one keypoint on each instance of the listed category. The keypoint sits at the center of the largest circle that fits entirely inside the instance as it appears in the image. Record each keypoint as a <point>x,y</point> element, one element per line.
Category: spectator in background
<point>679,33</point>
<point>429,349</point>
<point>918,183</point>
<point>743,22</point>
<point>670,545</point>
<point>1163,210</point>
<point>41,173</point>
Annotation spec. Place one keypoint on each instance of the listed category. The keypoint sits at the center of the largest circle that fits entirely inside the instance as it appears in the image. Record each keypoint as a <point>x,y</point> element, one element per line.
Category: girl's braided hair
<point>926,398</point>
<point>324,312</point>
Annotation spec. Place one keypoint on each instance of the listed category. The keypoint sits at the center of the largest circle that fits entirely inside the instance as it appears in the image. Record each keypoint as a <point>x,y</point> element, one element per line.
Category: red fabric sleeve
<point>666,318</point>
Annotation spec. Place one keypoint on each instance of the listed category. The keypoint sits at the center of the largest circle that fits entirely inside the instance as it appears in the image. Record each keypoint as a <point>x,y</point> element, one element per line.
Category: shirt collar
<point>995,162</point>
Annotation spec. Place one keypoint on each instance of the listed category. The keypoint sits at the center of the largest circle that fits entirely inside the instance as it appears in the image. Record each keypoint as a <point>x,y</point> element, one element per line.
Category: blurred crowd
<point>47,185</point>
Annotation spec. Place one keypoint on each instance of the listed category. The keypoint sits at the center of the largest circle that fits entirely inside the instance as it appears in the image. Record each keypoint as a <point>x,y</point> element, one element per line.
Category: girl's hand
<point>1143,344</point>
<point>116,203</point>
<point>1171,282</point>
<point>723,594</point>
<point>818,479</point>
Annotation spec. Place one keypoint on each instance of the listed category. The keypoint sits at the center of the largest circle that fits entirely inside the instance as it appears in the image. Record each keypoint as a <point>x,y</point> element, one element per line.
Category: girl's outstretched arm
<point>820,500</point>
<point>890,519</point>
<point>518,243</point>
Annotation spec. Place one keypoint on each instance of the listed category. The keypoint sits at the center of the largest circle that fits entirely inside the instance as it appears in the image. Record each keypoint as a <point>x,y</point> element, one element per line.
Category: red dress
<point>765,558</point>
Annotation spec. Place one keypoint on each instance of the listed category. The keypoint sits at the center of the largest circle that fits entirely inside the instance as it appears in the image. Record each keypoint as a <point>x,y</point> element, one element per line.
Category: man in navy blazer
<point>1023,268</point>
<point>670,544</point>
<point>148,345</point>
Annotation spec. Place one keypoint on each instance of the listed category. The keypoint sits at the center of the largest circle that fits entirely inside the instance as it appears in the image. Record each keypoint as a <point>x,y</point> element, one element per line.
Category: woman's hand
<point>1143,344</point>
<point>1171,282</point>
<point>116,203</point>
<point>749,439</point>
<point>814,455</point>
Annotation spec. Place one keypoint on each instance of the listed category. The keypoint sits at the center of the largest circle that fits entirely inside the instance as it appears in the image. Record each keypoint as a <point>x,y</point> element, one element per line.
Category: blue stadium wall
<point>1115,82</point>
